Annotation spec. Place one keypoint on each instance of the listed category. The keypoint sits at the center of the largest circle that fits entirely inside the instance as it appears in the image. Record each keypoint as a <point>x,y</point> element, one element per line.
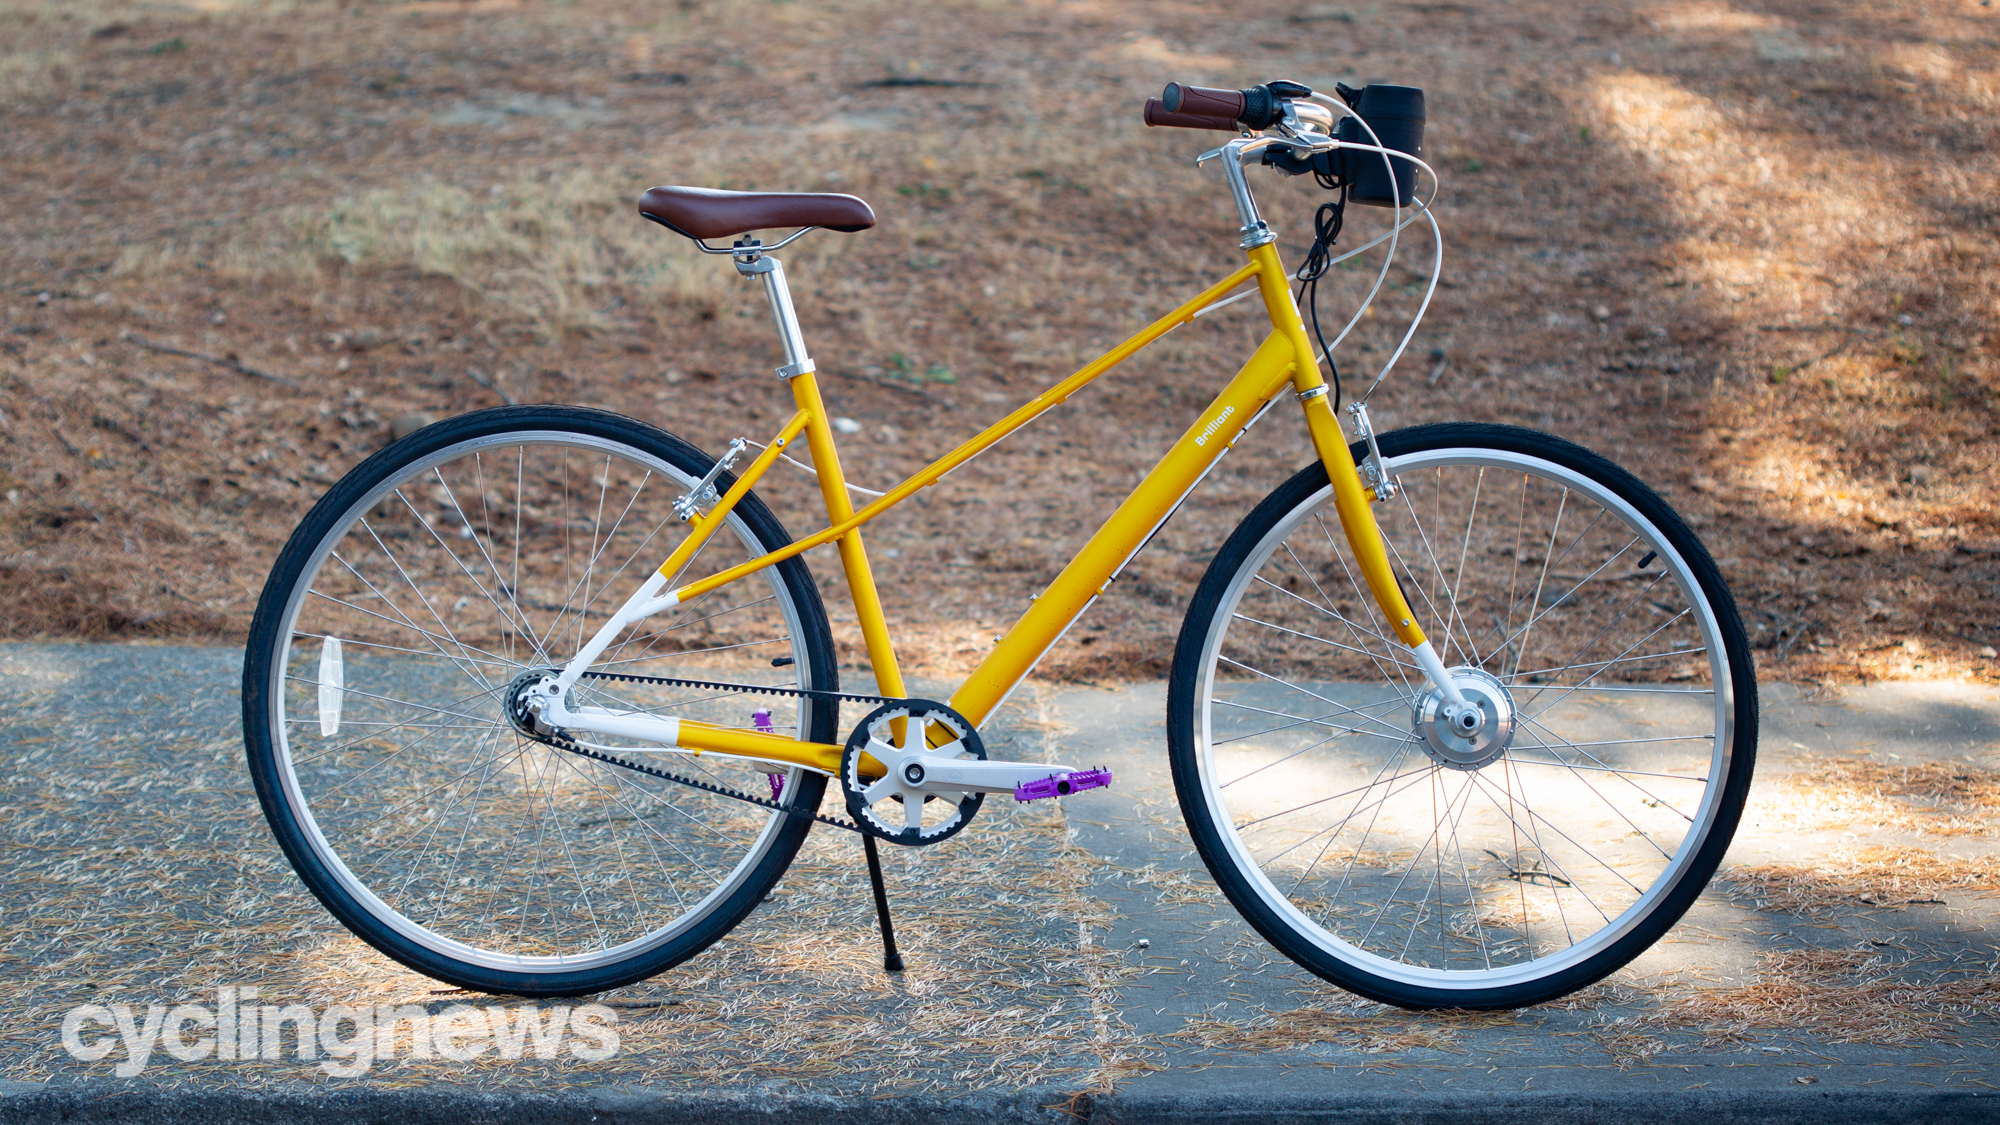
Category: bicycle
<point>506,744</point>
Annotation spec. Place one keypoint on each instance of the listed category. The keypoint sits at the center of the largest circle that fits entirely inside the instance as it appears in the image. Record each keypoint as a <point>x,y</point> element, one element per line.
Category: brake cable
<point>1327,222</point>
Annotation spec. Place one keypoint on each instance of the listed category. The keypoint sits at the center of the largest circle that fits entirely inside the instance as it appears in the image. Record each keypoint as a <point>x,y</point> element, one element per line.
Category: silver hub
<point>1466,740</point>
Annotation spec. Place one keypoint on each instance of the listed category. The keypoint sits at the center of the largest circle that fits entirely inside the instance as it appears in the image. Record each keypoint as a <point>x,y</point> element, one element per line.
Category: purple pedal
<point>1062,785</point>
<point>761,719</point>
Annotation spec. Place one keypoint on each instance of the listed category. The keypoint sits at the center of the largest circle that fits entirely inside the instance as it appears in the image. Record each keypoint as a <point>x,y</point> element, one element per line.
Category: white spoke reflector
<point>332,686</point>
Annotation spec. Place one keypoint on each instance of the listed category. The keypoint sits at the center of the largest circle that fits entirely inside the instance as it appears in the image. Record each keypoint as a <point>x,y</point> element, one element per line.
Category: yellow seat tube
<point>1350,497</point>
<point>853,559</point>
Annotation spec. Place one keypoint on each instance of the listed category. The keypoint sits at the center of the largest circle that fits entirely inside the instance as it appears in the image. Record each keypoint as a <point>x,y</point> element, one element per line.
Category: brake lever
<point>1244,146</point>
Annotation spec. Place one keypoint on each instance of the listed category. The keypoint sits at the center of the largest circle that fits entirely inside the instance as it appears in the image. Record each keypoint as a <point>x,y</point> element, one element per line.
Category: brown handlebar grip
<point>1156,114</point>
<point>1200,101</point>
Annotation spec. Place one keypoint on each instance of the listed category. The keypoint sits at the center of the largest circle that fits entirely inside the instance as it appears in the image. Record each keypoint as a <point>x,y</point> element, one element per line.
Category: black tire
<point>426,579</point>
<point>1623,678</point>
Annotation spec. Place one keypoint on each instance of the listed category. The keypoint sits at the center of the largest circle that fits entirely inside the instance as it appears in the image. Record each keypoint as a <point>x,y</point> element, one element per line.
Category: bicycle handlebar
<point>1200,101</point>
<point>1158,114</point>
<point>1199,107</point>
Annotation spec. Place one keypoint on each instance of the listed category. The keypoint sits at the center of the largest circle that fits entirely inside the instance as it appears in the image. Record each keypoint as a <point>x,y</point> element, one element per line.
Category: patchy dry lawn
<point>1748,250</point>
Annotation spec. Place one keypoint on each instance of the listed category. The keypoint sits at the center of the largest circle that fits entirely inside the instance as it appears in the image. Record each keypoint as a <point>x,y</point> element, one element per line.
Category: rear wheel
<point>1389,856</point>
<point>432,577</point>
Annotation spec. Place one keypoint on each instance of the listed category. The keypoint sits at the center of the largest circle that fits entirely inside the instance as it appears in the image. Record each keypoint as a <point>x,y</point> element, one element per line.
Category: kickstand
<point>892,961</point>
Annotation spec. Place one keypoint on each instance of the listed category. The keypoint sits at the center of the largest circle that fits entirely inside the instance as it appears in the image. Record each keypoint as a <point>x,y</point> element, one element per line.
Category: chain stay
<point>720,790</point>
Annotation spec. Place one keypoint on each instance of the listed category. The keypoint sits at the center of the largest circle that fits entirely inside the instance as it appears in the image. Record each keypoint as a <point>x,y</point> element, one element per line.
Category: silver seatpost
<point>751,261</point>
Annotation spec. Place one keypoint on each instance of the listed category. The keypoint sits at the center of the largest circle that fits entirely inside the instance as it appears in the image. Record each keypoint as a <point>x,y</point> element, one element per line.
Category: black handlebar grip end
<point>1260,109</point>
<point>1170,98</point>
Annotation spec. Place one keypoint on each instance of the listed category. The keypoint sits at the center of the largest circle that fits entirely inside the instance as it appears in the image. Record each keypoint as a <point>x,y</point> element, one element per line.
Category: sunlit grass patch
<point>33,75</point>
<point>1843,996</point>
<point>1939,798</point>
<point>1875,877</point>
<point>555,253</point>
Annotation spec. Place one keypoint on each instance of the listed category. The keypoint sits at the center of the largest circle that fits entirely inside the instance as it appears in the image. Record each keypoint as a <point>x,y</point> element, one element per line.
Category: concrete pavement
<point>1104,980</point>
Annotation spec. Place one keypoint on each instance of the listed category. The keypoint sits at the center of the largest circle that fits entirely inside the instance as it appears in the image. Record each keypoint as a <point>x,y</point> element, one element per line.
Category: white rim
<point>350,884</point>
<point>1241,856</point>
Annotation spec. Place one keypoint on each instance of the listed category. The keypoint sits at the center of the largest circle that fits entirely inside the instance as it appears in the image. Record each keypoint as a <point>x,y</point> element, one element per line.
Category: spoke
<point>1390,899</point>
<point>520,618</point>
<point>1299,720</point>
<point>1394,762</point>
<point>1595,760</point>
<point>1520,761</point>
<point>476,721</point>
<point>582,583</point>
<point>453,555</point>
<point>1425,770</point>
<point>1606,628</point>
<point>497,661</point>
<point>1648,690</point>
<point>1366,597</point>
<point>1465,875</point>
<point>1534,816</point>
<point>1625,741</point>
<point>1354,631</point>
<point>1444,584</point>
<point>620,778</point>
<point>394,850</point>
<point>1620,812</point>
<point>1600,665</point>
<point>386,813</point>
<point>1541,852</point>
<point>1305,636</point>
<point>472,814</point>
<point>520,460</point>
<point>429,835</point>
<point>1286,758</point>
<point>1464,546</point>
<point>1571,689</point>
<point>484,693</point>
<point>1526,632</point>
<point>414,589</point>
<point>462,661</point>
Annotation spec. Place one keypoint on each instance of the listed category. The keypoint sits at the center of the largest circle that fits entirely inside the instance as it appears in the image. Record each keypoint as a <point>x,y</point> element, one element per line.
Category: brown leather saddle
<point>708,213</point>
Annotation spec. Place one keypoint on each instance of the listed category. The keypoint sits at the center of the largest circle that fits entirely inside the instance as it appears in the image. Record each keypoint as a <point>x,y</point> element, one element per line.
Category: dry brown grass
<point>1892,877</point>
<point>1936,798</point>
<point>1366,1029</point>
<point>142,873</point>
<point>320,178</point>
<point>1838,996</point>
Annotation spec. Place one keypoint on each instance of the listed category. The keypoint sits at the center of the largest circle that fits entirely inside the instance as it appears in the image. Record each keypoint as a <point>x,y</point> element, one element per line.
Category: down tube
<point>1091,571</point>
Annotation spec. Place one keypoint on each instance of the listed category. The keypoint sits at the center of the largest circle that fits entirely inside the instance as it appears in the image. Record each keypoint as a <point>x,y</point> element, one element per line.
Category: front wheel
<point>1418,868</point>
<point>439,573</point>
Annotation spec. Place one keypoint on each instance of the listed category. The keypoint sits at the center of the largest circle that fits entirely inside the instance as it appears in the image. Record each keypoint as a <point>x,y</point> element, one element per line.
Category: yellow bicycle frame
<point>1286,357</point>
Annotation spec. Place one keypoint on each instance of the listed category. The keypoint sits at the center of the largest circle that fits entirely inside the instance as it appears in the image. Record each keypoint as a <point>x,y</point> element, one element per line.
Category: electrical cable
<point>1327,222</point>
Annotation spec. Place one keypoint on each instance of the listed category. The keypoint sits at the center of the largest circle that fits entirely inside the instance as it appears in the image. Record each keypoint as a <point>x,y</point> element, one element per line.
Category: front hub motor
<point>903,805</point>
<point>1466,740</point>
